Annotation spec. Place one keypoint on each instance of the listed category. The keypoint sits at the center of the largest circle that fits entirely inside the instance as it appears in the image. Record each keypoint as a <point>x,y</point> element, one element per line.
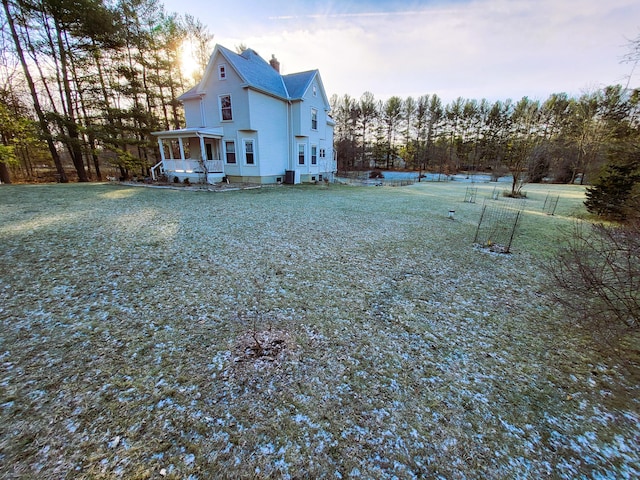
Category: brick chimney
<point>274,63</point>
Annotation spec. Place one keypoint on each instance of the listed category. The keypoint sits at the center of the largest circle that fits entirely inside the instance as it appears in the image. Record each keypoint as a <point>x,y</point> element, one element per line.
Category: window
<point>222,72</point>
<point>314,119</point>
<point>249,155</point>
<point>300,154</point>
<point>314,155</point>
<point>322,153</point>
<point>230,151</point>
<point>315,91</point>
<point>225,108</point>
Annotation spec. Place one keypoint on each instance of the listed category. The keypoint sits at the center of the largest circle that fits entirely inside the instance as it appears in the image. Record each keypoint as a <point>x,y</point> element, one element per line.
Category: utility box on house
<point>289,177</point>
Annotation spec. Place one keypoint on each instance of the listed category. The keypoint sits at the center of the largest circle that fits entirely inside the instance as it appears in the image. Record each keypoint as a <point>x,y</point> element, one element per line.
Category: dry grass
<point>293,332</point>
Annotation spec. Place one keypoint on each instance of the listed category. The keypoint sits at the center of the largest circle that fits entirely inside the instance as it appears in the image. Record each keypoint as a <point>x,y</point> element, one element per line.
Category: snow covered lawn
<point>294,332</point>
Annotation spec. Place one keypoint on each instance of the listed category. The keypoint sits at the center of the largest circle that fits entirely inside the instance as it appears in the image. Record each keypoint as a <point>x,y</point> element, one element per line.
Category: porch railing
<point>215,166</point>
<point>193,166</point>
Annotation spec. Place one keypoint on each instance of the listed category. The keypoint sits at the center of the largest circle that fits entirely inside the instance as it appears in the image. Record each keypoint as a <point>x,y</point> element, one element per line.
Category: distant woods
<point>561,139</point>
<point>83,83</point>
<point>85,80</point>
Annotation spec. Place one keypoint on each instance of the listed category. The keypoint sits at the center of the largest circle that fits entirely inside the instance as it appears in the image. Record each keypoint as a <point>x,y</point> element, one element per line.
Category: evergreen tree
<point>614,192</point>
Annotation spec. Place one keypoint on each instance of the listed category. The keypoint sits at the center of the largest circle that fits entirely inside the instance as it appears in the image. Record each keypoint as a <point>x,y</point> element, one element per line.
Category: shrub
<point>596,277</point>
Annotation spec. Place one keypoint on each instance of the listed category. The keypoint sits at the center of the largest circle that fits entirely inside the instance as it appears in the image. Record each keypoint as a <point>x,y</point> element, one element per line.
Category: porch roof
<point>206,132</point>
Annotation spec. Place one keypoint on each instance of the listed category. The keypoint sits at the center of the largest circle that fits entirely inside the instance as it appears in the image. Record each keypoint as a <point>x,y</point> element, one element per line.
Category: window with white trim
<point>314,119</point>
<point>230,151</point>
<point>226,113</point>
<point>314,155</point>
<point>222,72</point>
<point>249,154</point>
<point>323,153</point>
<point>301,154</point>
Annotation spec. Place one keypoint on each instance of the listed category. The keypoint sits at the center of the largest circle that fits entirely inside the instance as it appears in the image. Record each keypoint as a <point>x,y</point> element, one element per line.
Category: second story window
<point>225,108</point>
<point>314,119</point>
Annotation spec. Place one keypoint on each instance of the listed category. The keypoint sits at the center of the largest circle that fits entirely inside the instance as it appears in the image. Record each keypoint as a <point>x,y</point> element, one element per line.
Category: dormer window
<point>222,72</point>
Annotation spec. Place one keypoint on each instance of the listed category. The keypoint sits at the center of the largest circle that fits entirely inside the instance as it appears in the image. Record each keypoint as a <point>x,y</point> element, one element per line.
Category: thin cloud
<point>472,48</point>
<point>350,15</point>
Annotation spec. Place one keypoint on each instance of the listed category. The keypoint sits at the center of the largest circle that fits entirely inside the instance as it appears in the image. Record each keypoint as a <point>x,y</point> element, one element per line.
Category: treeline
<point>561,139</point>
<point>84,80</point>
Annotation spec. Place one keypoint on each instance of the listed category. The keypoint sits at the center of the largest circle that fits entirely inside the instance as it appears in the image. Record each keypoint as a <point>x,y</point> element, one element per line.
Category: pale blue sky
<point>494,49</point>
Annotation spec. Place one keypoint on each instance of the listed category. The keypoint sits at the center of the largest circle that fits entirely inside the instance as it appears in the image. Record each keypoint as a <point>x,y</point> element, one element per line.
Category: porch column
<point>203,156</point>
<point>153,169</point>
<point>184,164</point>
<point>203,151</point>
<point>161,146</point>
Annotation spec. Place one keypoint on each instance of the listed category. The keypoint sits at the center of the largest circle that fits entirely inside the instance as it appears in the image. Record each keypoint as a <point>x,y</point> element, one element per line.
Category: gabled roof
<point>298,83</point>
<point>257,74</point>
<point>255,71</point>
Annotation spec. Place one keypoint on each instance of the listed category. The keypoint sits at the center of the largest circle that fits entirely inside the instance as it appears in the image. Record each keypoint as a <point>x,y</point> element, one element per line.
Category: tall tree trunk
<point>34,95</point>
<point>5,175</point>
<point>75,144</point>
<point>108,107</point>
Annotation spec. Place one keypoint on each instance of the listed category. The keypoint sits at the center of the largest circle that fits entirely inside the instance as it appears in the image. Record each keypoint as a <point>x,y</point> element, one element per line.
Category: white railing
<point>193,166</point>
<point>157,166</point>
<point>186,166</point>
<point>215,166</point>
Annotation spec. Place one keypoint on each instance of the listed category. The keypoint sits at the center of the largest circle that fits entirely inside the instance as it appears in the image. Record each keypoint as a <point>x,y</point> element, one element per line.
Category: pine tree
<point>611,194</point>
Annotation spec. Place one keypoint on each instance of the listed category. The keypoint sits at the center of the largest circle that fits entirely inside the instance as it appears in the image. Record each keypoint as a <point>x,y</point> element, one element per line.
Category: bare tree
<point>523,140</point>
<point>596,277</point>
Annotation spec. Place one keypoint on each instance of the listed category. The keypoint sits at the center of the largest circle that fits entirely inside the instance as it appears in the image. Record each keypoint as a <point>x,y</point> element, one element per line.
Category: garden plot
<point>294,332</point>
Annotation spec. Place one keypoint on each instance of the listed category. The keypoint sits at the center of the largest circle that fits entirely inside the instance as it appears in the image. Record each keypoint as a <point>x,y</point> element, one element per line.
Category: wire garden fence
<point>550,204</point>
<point>498,225</point>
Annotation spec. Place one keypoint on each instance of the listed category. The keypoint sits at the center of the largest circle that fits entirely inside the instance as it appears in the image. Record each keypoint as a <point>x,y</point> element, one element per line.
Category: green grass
<point>393,347</point>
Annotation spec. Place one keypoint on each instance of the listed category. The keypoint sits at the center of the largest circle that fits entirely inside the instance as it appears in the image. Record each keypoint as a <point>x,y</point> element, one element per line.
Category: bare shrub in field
<point>597,279</point>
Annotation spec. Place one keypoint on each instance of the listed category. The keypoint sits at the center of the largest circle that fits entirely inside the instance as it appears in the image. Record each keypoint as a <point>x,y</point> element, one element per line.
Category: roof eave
<point>266,92</point>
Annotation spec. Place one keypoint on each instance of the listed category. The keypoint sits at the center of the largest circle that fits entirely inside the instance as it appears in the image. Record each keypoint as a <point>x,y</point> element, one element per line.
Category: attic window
<point>315,91</point>
<point>222,72</point>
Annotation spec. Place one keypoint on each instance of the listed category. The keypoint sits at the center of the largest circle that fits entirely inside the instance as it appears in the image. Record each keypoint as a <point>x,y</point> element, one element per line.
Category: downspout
<point>290,138</point>
<point>239,155</point>
<point>203,115</point>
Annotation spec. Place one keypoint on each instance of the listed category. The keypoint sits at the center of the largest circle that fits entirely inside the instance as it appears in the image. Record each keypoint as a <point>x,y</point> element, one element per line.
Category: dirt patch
<point>267,346</point>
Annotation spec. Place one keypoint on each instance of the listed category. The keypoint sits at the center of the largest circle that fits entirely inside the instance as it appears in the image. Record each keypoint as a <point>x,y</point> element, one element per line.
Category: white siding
<point>275,126</point>
<point>269,118</point>
<point>322,136</point>
<point>230,86</point>
<point>192,113</point>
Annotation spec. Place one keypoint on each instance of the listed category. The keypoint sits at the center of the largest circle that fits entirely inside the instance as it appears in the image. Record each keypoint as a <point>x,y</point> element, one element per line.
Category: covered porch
<point>190,153</point>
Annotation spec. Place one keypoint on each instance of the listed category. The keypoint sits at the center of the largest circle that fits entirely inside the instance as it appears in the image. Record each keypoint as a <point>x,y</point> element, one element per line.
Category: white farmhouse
<point>248,123</point>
